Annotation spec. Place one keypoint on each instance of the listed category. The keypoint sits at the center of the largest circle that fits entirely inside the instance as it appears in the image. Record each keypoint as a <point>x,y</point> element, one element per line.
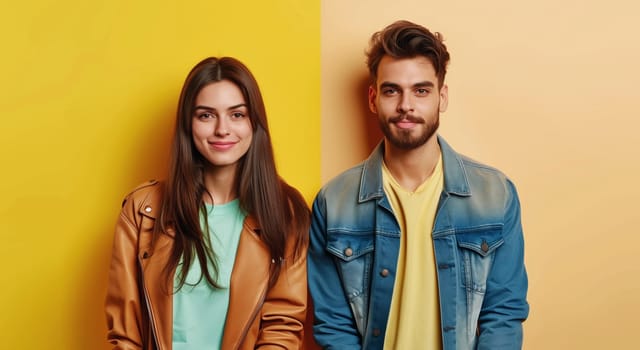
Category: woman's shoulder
<point>145,198</point>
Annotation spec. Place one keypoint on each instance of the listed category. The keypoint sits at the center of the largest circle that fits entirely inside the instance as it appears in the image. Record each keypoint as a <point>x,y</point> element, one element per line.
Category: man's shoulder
<point>351,174</point>
<point>487,179</point>
<point>472,165</point>
<point>461,166</point>
<point>347,181</point>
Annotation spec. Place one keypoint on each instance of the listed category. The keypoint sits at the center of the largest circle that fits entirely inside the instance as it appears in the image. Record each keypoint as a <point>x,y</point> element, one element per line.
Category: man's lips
<point>406,121</point>
<point>405,124</point>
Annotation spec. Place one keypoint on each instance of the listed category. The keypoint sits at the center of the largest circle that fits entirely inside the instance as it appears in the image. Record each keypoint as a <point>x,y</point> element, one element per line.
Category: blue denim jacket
<point>479,252</point>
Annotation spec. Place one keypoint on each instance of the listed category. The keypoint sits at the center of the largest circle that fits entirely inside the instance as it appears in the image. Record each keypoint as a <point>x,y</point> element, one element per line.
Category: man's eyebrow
<point>425,83</point>
<point>422,84</point>
<point>388,84</point>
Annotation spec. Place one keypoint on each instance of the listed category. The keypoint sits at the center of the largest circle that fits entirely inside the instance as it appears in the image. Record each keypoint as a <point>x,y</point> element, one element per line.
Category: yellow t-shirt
<point>414,317</point>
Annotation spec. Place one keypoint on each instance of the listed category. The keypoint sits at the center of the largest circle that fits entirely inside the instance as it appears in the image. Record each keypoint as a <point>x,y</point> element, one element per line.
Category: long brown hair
<point>279,209</point>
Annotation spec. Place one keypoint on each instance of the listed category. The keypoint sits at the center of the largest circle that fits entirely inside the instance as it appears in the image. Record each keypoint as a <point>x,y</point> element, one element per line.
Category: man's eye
<point>389,91</point>
<point>422,91</point>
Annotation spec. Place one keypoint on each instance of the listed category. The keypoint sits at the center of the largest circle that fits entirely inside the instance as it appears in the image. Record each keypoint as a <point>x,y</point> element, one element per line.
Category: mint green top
<point>200,311</point>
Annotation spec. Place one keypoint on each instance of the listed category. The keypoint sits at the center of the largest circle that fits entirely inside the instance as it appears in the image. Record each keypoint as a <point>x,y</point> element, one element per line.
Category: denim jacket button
<point>484,246</point>
<point>376,332</point>
<point>348,252</point>
<point>384,273</point>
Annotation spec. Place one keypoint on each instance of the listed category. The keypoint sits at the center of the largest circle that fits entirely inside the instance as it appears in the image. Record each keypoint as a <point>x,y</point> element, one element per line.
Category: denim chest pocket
<point>353,254</point>
<point>477,247</point>
<point>349,246</point>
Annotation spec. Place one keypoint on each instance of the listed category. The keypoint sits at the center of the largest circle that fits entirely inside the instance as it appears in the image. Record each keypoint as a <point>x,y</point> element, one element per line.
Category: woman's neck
<point>221,184</point>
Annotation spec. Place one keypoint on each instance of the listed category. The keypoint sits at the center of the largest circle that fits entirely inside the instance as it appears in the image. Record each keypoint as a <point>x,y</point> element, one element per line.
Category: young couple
<point>418,247</point>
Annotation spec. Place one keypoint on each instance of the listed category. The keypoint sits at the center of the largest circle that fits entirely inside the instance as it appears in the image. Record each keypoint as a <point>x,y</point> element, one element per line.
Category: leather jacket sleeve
<point>123,299</point>
<point>284,310</point>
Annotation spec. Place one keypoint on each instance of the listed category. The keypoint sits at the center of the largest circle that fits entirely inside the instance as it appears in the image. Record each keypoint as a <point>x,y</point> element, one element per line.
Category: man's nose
<point>405,104</point>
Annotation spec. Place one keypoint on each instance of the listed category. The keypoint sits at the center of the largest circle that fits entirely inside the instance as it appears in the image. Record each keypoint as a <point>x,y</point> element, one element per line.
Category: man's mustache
<point>406,117</point>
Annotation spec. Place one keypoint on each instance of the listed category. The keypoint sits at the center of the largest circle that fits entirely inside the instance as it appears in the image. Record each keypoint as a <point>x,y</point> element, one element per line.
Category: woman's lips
<point>221,146</point>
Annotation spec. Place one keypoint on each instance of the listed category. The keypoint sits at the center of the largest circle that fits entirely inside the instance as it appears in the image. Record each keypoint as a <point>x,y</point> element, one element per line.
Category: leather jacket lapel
<point>246,294</point>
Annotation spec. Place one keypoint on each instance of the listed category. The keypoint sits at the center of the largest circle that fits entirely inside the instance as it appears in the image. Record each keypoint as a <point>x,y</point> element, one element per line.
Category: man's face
<point>407,100</point>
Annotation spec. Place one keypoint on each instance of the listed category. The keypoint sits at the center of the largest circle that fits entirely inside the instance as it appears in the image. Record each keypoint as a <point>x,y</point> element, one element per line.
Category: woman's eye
<point>205,115</point>
<point>237,115</point>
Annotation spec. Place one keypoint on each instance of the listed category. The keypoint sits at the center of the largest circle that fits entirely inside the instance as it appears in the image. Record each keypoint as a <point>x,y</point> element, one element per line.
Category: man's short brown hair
<point>404,39</point>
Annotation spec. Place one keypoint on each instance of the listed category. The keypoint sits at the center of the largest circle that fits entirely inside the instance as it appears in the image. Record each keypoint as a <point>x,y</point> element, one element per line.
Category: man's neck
<point>411,168</point>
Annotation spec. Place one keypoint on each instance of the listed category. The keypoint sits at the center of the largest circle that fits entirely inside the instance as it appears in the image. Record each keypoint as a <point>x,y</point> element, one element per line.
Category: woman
<point>216,257</point>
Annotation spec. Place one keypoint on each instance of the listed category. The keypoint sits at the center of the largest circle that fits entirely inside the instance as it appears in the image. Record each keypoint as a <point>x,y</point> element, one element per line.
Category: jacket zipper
<point>154,332</point>
<point>253,316</point>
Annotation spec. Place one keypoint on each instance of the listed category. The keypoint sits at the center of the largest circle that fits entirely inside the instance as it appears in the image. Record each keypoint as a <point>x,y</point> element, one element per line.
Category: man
<point>418,247</point>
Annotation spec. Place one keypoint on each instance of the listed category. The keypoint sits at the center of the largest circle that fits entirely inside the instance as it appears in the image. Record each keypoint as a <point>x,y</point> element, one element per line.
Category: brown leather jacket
<point>139,300</point>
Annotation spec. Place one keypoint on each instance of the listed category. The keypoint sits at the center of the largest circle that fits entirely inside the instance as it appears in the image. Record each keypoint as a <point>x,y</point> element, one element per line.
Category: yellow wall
<point>544,90</point>
<point>87,96</point>
<point>547,91</point>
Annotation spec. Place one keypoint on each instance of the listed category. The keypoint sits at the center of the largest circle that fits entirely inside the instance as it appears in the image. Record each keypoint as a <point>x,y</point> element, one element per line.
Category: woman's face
<point>221,128</point>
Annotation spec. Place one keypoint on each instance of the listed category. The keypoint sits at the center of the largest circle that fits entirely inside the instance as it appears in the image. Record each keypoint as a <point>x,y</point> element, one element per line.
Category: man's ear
<point>444,98</point>
<point>373,93</point>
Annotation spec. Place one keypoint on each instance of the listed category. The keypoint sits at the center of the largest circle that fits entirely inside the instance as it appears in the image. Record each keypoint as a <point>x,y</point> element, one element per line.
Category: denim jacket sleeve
<point>505,306</point>
<point>334,326</point>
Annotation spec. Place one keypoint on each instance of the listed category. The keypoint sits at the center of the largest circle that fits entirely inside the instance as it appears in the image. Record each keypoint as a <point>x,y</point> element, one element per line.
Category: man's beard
<point>403,138</point>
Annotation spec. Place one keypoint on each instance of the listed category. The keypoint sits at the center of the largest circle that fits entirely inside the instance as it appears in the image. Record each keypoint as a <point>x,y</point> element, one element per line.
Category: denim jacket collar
<point>455,177</point>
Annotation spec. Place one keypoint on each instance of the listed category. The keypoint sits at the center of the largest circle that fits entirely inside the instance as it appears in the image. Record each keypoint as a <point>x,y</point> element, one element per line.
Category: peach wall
<point>545,91</point>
